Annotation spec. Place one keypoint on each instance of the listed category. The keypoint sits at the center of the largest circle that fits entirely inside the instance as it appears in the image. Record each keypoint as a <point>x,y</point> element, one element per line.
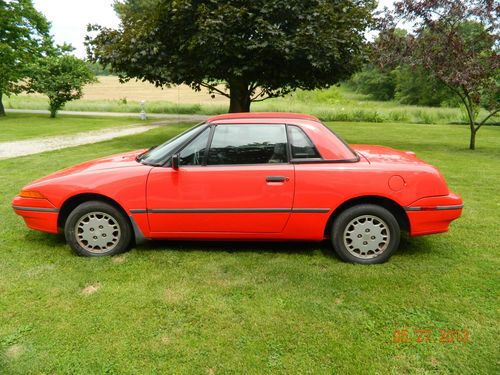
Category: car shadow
<point>48,239</point>
<point>408,246</point>
<point>261,247</point>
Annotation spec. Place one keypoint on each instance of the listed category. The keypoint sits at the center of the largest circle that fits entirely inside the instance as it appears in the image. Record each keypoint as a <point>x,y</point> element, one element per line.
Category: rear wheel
<point>365,234</point>
<point>96,228</point>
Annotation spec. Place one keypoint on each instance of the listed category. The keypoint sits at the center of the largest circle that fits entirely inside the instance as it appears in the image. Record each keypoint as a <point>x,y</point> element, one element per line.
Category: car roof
<point>262,115</point>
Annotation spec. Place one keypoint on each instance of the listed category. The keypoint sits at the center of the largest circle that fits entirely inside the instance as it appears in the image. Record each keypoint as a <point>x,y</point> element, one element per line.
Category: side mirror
<point>175,161</point>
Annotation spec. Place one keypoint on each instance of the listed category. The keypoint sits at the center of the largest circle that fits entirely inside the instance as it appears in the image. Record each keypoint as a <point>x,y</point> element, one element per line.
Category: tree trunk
<point>472,144</point>
<point>240,97</point>
<point>53,108</point>
<point>473,130</point>
<point>2,109</point>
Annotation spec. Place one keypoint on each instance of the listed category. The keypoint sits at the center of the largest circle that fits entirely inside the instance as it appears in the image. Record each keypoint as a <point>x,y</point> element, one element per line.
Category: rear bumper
<point>38,214</point>
<point>433,214</point>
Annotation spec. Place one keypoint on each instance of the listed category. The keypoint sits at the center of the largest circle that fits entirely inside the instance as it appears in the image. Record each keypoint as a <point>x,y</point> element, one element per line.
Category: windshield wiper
<point>151,164</point>
<point>139,157</point>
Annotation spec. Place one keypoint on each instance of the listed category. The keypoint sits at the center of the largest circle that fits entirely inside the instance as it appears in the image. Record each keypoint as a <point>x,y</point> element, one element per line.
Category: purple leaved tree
<point>456,42</point>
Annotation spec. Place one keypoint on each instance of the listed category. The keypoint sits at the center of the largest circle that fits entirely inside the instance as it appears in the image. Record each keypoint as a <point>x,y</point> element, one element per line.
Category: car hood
<point>123,160</point>
<point>382,154</point>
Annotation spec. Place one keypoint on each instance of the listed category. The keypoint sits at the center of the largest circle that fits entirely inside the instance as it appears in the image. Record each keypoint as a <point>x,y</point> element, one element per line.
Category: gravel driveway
<point>36,145</point>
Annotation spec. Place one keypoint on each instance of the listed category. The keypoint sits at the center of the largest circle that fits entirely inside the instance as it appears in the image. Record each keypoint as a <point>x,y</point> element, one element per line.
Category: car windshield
<point>158,155</point>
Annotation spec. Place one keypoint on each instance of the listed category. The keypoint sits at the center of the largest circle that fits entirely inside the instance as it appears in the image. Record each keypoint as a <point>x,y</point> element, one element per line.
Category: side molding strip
<point>228,210</point>
<point>215,210</point>
<point>435,208</point>
<point>310,210</point>
<point>35,209</point>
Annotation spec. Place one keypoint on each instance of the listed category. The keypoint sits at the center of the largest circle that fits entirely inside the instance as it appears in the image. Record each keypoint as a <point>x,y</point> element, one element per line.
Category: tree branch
<point>259,95</point>
<point>456,91</point>
<point>462,97</point>
<point>470,110</point>
<point>260,100</point>
<point>488,117</point>
<point>213,88</point>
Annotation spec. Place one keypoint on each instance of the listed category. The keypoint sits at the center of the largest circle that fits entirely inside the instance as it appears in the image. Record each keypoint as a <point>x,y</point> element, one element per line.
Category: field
<point>333,104</point>
<point>251,308</point>
<point>16,126</point>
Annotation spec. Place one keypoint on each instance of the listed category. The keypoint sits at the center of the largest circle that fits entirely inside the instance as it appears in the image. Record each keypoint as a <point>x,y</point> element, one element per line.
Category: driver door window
<point>248,144</point>
<point>194,153</point>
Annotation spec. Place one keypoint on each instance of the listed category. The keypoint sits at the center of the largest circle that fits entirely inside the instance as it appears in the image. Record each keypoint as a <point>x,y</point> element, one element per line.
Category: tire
<point>365,234</point>
<point>97,228</point>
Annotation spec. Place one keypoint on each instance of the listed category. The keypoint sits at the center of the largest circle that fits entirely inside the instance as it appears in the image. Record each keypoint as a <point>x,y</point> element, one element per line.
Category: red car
<point>251,176</point>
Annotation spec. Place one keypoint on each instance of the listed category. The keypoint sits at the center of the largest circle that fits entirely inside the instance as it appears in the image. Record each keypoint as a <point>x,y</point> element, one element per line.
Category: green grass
<point>33,102</point>
<point>16,126</point>
<point>341,104</point>
<point>257,308</point>
<point>333,104</point>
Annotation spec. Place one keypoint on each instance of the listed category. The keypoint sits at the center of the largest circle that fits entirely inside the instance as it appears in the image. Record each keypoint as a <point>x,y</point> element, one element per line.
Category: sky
<point>69,18</point>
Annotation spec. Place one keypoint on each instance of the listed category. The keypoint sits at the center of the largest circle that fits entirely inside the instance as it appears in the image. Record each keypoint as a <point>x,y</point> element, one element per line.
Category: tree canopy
<point>397,80</point>
<point>61,78</point>
<point>246,50</point>
<point>24,37</point>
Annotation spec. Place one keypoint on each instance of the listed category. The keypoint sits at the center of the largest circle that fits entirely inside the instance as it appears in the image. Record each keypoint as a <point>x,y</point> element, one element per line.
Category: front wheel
<point>365,234</point>
<point>96,228</point>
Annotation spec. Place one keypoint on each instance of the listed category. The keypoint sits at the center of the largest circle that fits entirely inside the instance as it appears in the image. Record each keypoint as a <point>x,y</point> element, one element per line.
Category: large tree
<point>457,43</point>
<point>245,50</point>
<point>24,37</point>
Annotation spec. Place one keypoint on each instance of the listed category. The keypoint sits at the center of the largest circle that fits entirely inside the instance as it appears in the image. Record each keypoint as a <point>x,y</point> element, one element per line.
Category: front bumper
<point>433,214</point>
<point>38,214</point>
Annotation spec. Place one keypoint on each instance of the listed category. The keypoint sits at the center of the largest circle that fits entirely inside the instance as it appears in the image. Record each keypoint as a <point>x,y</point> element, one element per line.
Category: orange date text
<point>404,335</point>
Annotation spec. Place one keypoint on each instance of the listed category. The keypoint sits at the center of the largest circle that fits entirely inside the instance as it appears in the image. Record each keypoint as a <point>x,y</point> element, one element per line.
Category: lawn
<point>16,126</point>
<point>257,308</point>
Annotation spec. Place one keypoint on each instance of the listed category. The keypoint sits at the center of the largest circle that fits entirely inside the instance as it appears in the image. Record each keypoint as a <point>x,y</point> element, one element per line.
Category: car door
<point>241,183</point>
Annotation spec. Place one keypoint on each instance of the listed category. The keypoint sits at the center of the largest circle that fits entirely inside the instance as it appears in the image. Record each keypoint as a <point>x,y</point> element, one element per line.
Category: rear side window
<point>248,144</point>
<point>301,145</point>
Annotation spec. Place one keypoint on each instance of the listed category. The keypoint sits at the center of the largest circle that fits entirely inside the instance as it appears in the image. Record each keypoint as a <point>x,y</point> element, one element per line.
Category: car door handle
<point>275,178</point>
